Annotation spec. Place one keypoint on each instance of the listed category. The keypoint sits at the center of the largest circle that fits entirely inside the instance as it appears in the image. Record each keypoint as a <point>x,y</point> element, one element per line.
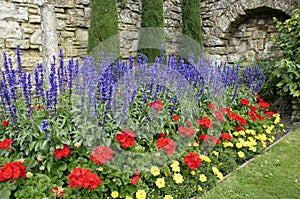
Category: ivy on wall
<point>191,28</point>
<point>151,34</point>
<point>103,30</point>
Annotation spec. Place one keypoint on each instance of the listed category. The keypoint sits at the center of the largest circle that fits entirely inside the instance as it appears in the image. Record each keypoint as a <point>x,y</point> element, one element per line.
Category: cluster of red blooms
<point>234,116</point>
<point>205,138</point>
<point>226,136</point>
<point>126,138</point>
<point>219,116</point>
<point>186,131</point>
<point>11,171</point>
<point>5,144</point>
<point>211,106</point>
<point>58,191</point>
<point>175,117</point>
<point>84,178</point>
<point>64,152</point>
<point>102,154</point>
<point>244,102</point>
<point>205,123</point>
<point>157,105</point>
<point>192,160</point>
<point>252,113</point>
<point>261,103</point>
<point>135,178</point>
<point>166,144</point>
<point>5,123</point>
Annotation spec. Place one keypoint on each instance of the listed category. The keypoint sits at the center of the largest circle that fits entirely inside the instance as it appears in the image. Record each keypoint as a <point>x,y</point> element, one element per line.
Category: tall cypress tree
<point>103,27</point>
<point>191,41</point>
<point>151,34</point>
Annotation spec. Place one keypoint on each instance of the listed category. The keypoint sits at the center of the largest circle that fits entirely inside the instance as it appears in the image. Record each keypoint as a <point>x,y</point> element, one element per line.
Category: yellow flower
<point>114,194</point>
<point>215,170</point>
<point>160,182</point>
<point>205,158</point>
<point>264,126</point>
<point>283,130</point>
<point>264,144</point>
<point>202,178</point>
<point>29,175</point>
<point>268,131</point>
<point>220,175</point>
<point>42,168</point>
<point>154,170</point>
<point>242,133</point>
<point>128,197</point>
<point>178,178</point>
<point>199,188</point>
<point>241,154</point>
<point>141,194</point>
<point>168,197</point>
<point>236,133</point>
<point>277,120</point>
<point>252,149</point>
<point>193,172</point>
<point>239,145</point>
<point>281,125</point>
<point>175,166</point>
<point>216,153</point>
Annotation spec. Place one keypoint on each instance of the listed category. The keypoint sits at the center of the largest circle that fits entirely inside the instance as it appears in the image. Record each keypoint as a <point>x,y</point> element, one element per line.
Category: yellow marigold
<point>236,133</point>
<point>114,194</point>
<point>202,178</point>
<point>242,133</point>
<point>215,170</point>
<point>141,194</point>
<point>216,153</point>
<point>128,197</point>
<point>264,144</point>
<point>281,125</point>
<point>220,175</point>
<point>168,197</point>
<point>265,126</point>
<point>193,172</point>
<point>205,158</point>
<point>252,149</point>
<point>199,188</point>
<point>154,170</point>
<point>178,178</point>
<point>241,154</point>
<point>175,166</point>
<point>268,131</point>
<point>160,182</point>
<point>239,145</point>
<point>277,120</point>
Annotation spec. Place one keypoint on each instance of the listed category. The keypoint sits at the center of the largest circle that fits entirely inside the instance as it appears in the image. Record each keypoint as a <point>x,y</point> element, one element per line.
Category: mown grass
<point>274,174</point>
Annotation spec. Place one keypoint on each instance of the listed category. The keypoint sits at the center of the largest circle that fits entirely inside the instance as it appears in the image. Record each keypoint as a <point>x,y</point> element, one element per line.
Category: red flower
<point>205,123</point>
<point>101,155</point>
<point>83,178</point>
<point>239,128</point>
<point>233,116</point>
<point>269,113</point>
<point>224,109</point>
<point>192,160</point>
<point>226,136</point>
<point>244,102</point>
<point>11,171</point>
<point>135,179</point>
<point>259,98</point>
<point>219,116</point>
<point>204,137</point>
<point>186,131</point>
<point>251,114</point>
<point>5,144</point>
<point>39,107</point>
<point>260,117</point>
<point>126,138</point>
<point>263,105</point>
<point>157,105</point>
<point>252,108</point>
<point>211,106</point>
<point>175,117</point>
<point>253,118</point>
<point>189,124</point>
<point>215,140</point>
<point>242,121</point>
<point>5,123</point>
<point>64,152</point>
<point>166,144</point>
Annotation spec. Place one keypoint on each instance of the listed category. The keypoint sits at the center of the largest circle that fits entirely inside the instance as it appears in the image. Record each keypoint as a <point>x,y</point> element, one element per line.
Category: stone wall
<point>232,29</point>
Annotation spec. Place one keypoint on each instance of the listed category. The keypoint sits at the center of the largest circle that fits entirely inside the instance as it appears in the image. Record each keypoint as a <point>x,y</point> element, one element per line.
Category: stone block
<point>81,34</point>
<point>10,29</point>
<point>223,23</point>
<point>84,2</point>
<point>59,10</point>
<point>67,34</point>
<point>2,44</point>
<point>64,3</point>
<point>12,43</point>
<point>36,37</point>
<point>215,41</point>
<point>260,44</point>
<point>232,58</point>
<point>259,34</point>
<point>33,11</point>
<point>9,11</point>
<point>34,19</point>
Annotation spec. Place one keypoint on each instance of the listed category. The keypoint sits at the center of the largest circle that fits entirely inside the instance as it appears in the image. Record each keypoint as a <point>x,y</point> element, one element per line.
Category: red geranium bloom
<point>192,160</point>
<point>233,116</point>
<point>101,155</point>
<point>226,136</point>
<point>205,123</point>
<point>263,105</point>
<point>135,179</point>
<point>83,178</point>
<point>11,171</point>
<point>219,116</point>
<point>253,108</point>
<point>186,131</point>
<point>269,113</point>
<point>260,117</point>
<point>5,123</point>
<point>251,114</point>
<point>242,121</point>
<point>253,118</point>
<point>244,102</point>
<point>64,152</point>
<point>157,105</point>
<point>211,106</point>
<point>239,128</point>
<point>259,98</point>
<point>225,109</point>
<point>5,144</point>
<point>126,138</point>
<point>166,144</point>
<point>175,117</point>
<point>189,124</point>
<point>204,137</point>
<point>215,140</point>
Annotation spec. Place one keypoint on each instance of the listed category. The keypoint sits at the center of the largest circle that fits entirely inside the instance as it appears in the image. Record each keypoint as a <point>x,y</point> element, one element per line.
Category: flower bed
<point>123,130</point>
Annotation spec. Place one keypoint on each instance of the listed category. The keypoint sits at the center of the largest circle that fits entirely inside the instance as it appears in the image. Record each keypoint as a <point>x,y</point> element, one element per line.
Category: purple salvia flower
<point>20,70</point>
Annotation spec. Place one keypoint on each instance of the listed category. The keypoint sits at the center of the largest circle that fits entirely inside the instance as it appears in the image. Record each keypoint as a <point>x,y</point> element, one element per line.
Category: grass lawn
<point>274,174</point>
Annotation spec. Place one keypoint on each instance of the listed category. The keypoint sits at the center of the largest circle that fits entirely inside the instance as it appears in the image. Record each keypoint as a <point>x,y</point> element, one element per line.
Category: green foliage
<point>288,41</point>
<point>103,25</point>
<point>191,27</point>
<point>151,35</point>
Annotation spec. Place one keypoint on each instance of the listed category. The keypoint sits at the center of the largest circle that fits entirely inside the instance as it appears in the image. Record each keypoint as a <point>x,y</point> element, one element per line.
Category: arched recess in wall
<point>249,36</point>
<point>151,33</point>
<point>103,30</point>
<point>191,40</point>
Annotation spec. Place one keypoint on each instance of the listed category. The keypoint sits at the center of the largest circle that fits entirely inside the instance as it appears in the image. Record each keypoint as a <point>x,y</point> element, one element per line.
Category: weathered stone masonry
<point>232,29</point>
